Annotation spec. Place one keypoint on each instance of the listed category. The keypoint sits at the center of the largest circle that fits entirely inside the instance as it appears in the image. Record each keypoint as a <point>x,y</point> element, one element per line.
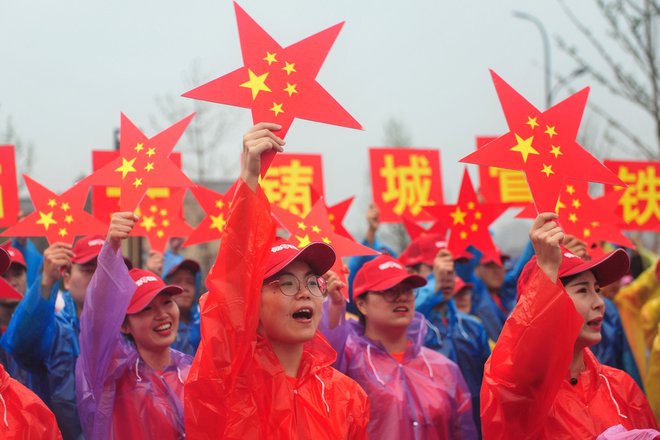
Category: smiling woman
<point>129,386</point>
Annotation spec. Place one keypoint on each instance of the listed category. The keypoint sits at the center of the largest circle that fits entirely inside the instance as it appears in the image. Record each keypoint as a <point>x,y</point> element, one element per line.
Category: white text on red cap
<point>282,247</point>
<point>145,279</point>
<point>95,242</point>
<point>569,255</point>
<point>390,265</point>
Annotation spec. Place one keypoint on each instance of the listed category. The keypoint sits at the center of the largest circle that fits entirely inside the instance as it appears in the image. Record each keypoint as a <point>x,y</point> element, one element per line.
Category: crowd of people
<point>560,342</point>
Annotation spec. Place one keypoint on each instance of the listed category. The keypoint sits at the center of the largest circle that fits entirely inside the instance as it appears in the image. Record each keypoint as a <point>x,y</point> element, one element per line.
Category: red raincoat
<point>22,414</point>
<point>526,393</point>
<point>237,388</point>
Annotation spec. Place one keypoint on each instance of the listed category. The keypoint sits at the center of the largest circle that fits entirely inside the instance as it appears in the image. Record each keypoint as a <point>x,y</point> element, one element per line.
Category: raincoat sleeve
<point>337,336</point>
<point>530,361</point>
<point>652,379</point>
<point>229,314</point>
<point>108,296</point>
<point>31,330</point>
<point>33,258</point>
<point>629,300</point>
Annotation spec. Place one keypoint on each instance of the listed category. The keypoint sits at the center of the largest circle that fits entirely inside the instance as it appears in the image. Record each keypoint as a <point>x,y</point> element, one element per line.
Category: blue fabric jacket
<point>460,337</point>
<point>45,343</point>
<point>614,349</point>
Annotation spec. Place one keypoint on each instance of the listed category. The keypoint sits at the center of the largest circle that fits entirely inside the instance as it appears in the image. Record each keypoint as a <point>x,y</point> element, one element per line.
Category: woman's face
<point>289,319</point>
<point>584,291</point>
<point>155,327</point>
<point>388,309</point>
<point>186,280</point>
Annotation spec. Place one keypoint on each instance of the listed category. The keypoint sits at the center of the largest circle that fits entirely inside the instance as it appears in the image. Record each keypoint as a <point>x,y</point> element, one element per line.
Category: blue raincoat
<point>461,338</point>
<point>45,343</point>
<point>483,305</point>
<point>189,334</point>
<point>33,258</point>
<point>423,397</point>
<point>614,349</point>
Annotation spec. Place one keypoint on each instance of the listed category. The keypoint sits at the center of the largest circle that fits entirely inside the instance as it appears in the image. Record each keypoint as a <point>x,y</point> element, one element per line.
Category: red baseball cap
<point>382,273</point>
<point>493,257</point>
<point>148,286</point>
<point>459,285</point>
<point>5,260</point>
<point>87,248</point>
<point>320,256</point>
<point>606,268</point>
<point>423,250</point>
<point>15,256</point>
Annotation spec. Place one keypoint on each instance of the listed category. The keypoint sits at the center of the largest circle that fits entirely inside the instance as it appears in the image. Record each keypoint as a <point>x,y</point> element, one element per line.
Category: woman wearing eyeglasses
<point>415,392</point>
<point>261,370</point>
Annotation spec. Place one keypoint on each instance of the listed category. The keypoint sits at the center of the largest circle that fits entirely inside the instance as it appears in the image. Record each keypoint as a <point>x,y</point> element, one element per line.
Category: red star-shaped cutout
<point>316,226</point>
<point>217,207</point>
<point>143,163</point>
<point>278,83</point>
<point>161,219</point>
<point>336,215</point>
<point>543,145</point>
<point>58,218</point>
<point>415,230</point>
<point>590,220</point>
<point>468,221</point>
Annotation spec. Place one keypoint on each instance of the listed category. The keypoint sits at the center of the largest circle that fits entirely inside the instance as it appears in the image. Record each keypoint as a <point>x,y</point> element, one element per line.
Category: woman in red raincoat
<point>262,370</point>
<point>542,381</point>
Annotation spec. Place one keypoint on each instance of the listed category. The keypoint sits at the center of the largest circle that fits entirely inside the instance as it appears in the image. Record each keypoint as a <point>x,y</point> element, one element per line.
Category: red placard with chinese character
<point>293,180</point>
<point>500,185</point>
<point>8,186</point>
<point>404,181</point>
<point>105,199</point>
<point>639,206</point>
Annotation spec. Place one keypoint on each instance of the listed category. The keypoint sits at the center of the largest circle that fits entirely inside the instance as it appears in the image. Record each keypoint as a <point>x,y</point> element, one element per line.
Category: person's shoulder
<point>437,359</point>
<point>470,320</point>
<point>341,381</point>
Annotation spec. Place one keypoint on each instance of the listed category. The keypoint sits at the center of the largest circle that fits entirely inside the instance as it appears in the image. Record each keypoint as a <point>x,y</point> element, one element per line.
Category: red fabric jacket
<point>526,393</point>
<point>237,388</point>
<point>22,414</point>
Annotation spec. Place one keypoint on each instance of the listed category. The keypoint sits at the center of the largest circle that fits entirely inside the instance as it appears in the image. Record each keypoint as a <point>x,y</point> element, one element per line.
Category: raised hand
<point>547,237</point>
<point>257,141</point>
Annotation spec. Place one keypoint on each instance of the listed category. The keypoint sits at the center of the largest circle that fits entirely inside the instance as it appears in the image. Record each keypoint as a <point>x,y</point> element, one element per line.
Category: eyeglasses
<point>290,285</point>
<point>396,292</point>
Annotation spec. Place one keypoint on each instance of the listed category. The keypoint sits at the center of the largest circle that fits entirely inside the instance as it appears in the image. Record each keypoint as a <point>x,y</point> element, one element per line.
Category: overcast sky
<point>68,68</point>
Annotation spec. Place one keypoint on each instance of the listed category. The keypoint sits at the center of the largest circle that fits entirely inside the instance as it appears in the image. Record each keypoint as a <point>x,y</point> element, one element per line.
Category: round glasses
<point>289,285</point>
<point>393,294</point>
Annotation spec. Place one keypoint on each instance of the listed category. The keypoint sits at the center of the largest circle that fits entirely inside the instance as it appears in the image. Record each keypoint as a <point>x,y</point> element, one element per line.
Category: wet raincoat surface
<point>22,414</point>
<point>526,393</point>
<point>613,349</point>
<point>237,388</point>
<point>45,343</point>
<point>462,339</point>
<point>119,395</point>
<point>424,397</point>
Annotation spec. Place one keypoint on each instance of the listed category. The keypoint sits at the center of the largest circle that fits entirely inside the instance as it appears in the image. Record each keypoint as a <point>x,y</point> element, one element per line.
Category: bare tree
<point>633,74</point>
<point>203,138</point>
<point>23,150</point>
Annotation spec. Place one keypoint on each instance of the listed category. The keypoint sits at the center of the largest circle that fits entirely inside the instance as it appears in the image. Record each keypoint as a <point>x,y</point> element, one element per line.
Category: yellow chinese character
<point>641,200</point>
<point>409,185</point>
<point>289,187</point>
<point>513,185</point>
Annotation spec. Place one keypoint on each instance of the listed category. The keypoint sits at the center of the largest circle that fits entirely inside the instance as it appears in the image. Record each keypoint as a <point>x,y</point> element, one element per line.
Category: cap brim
<point>146,299</point>
<point>190,265</point>
<point>319,256</point>
<point>607,269</point>
<point>414,280</point>
<point>5,260</point>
